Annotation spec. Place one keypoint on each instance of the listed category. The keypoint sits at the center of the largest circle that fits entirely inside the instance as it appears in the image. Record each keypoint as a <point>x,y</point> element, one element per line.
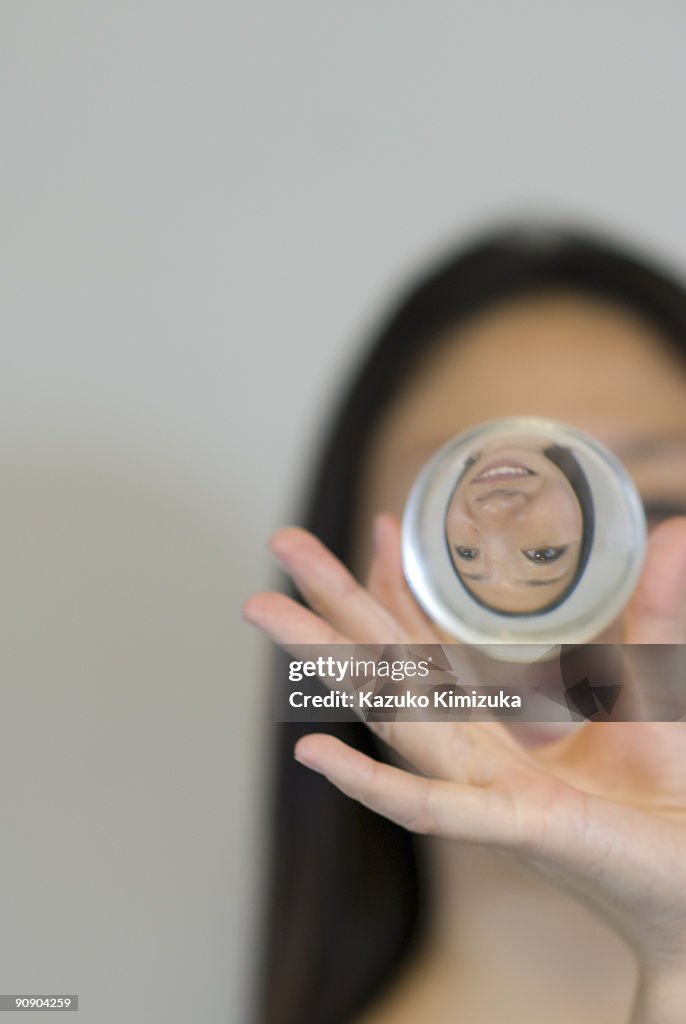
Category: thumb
<point>657,611</point>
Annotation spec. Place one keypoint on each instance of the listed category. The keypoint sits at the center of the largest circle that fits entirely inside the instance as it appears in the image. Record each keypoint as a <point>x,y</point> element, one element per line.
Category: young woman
<point>536,877</point>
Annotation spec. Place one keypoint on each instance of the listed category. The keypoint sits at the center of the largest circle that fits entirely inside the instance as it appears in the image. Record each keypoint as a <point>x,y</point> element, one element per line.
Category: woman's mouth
<point>496,472</point>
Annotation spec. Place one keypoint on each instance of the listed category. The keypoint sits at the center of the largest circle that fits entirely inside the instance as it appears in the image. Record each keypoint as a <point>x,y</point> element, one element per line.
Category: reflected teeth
<point>504,471</point>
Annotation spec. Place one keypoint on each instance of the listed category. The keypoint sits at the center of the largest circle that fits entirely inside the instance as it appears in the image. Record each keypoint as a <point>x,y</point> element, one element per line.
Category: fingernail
<point>280,562</point>
<point>276,556</point>
<point>302,759</point>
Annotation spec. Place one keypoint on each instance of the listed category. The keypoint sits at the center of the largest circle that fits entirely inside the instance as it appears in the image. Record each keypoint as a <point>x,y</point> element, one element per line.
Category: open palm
<point>603,810</point>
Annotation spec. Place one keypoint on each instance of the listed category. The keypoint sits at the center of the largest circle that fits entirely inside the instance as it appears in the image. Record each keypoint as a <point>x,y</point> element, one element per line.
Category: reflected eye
<point>469,554</point>
<point>544,555</point>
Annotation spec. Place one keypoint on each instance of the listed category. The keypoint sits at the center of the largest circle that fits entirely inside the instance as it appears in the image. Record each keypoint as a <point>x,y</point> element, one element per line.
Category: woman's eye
<point>469,554</point>
<point>544,554</point>
<point>657,510</point>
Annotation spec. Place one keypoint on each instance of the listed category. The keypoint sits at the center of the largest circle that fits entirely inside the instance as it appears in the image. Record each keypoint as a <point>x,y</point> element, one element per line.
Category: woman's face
<point>586,362</point>
<point>514,527</point>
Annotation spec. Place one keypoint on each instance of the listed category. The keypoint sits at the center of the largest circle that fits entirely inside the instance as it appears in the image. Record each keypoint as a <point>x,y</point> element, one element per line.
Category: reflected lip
<point>503,470</point>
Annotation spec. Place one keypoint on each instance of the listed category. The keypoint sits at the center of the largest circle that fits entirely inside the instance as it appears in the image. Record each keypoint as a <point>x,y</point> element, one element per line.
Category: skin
<point>515,541</point>
<point>559,868</point>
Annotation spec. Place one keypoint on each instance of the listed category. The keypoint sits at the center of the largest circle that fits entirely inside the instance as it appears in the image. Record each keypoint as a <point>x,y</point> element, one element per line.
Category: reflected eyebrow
<point>473,576</point>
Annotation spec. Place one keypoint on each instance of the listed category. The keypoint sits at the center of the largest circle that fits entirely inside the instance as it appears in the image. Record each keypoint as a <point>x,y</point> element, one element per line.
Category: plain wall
<point>204,207</point>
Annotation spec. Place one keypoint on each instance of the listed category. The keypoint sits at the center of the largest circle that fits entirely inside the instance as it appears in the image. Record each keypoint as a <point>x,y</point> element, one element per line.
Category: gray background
<point>204,205</point>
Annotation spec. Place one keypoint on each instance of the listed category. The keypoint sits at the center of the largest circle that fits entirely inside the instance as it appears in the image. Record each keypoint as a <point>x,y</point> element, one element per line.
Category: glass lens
<point>523,531</point>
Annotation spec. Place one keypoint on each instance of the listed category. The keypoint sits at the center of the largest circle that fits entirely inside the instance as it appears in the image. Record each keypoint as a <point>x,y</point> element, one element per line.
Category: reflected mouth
<point>503,471</point>
<point>502,492</point>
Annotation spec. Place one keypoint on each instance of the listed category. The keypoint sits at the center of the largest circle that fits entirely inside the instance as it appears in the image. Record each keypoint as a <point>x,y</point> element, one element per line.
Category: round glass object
<point>523,534</point>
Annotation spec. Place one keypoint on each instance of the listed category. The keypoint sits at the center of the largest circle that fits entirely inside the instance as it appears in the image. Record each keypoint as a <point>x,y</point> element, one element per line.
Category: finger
<point>332,590</point>
<point>420,804</point>
<point>470,752</point>
<point>657,611</point>
<point>388,585</point>
<point>569,835</point>
<point>467,752</point>
<point>288,623</point>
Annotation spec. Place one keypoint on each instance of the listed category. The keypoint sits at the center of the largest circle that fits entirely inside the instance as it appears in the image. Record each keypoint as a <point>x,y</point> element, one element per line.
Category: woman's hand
<point>603,811</point>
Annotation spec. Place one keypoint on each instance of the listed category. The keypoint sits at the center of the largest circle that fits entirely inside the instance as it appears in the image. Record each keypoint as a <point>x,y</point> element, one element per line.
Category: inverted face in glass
<point>519,524</point>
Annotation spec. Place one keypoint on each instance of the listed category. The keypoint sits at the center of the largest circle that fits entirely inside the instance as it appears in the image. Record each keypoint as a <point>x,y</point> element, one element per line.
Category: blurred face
<point>586,362</point>
<point>514,527</point>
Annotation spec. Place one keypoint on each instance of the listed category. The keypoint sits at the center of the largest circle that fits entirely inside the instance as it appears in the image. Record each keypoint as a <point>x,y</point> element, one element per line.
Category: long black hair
<point>347,894</point>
